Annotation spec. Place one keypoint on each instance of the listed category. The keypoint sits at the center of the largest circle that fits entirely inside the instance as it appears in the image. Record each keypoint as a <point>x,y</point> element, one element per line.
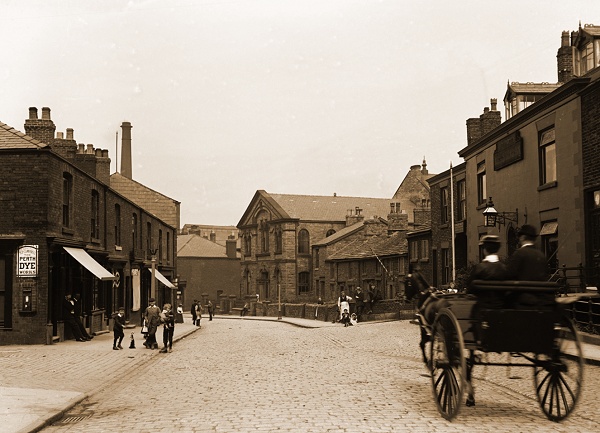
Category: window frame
<point>547,156</point>
<point>481,183</point>
<point>303,241</point>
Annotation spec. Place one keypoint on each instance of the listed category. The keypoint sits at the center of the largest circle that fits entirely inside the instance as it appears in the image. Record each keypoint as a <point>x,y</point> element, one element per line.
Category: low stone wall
<point>389,308</point>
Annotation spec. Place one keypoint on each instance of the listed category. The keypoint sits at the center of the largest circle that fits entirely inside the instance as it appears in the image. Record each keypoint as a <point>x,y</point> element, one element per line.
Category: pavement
<point>33,395</point>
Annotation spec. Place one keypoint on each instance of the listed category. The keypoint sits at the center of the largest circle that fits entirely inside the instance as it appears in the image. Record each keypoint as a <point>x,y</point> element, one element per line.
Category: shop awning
<point>90,264</point>
<point>549,228</point>
<point>160,277</point>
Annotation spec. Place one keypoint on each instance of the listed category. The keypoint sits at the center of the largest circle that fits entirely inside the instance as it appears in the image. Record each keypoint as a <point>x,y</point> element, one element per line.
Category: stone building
<point>277,232</point>
<point>64,230</point>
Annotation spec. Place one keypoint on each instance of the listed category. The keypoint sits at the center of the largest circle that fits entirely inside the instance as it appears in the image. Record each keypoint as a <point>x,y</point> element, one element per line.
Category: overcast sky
<point>298,97</point>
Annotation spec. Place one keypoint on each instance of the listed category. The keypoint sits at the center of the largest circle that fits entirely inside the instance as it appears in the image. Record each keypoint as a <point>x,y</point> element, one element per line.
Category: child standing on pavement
<point>118,326</point>
<point>168,320</point>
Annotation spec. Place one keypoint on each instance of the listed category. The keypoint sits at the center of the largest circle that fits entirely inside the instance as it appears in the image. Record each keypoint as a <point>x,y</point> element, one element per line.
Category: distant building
<point>277,232</point>
<point>207,269</point>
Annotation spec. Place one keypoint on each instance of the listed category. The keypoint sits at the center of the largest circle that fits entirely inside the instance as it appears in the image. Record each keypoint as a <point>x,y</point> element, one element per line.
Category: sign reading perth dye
<point>27,261</point>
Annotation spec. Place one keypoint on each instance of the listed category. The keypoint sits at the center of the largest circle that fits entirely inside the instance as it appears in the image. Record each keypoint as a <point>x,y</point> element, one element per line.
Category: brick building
<point>540,165</point>
<point>64,230</point>
<point>208,269</point>
<point>447,188</point>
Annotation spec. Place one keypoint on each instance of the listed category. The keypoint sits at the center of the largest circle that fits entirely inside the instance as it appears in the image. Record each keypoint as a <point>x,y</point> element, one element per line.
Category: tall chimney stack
<point>126,166</point>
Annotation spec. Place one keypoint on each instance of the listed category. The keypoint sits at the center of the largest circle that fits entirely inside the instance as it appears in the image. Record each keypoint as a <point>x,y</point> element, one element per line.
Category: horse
<point>429,303</point>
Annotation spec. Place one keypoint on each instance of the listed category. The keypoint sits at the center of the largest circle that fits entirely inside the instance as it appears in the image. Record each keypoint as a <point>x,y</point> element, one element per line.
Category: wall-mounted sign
<point>508,150</point>
<point>27,261</point>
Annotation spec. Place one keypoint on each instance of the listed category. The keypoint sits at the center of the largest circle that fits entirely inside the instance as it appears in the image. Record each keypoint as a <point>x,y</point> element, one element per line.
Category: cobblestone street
<point>251,376</point>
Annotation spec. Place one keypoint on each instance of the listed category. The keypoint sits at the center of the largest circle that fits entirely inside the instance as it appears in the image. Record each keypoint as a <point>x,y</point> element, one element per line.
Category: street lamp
<point>491,216</point>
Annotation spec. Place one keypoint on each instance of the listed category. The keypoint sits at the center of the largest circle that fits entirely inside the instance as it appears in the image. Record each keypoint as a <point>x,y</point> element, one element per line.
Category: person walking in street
<point>193,311</point>
<point>198,313</point>
<point>152,316</point>
<point>369,299</point>
<point>168,320</point>
<point>118,329</point>
<point>179,315</point>
<point>210,309</point>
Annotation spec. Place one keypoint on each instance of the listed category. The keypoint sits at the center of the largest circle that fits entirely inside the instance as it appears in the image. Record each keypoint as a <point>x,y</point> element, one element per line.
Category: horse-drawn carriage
<point>458,331</point>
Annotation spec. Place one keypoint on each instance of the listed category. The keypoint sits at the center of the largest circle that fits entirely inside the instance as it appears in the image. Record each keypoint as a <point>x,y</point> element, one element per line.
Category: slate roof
<point>197,246</point>
<point>152,201</point>
<point>10,138</point>
<point>329,208</point>
<point>340,234</point>
<point>373,246</point>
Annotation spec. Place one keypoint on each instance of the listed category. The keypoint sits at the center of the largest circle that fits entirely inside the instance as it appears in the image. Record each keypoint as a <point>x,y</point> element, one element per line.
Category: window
<point>317,258</point>
<point>278,241</point>
<point>444,206</point>
<point>461,192</point>
<point>547,157</point>
<point>445,265</point>
<point>160,246</point>
<point>303,242</point>
<point>95,219</point>
<point>587,58</point>
<point>263,229</point>
<point>414,250</point>
<point>67,199</point>
<point>117,224</point>
<point>303,282</point>
<point>247,244</point>
<point>149,238</point>
<point>168,247</point>
<point>134,230</point>
<point>5,292</point>
<point>481,184</point>
<point>424,250</point>
<point>330,232</point>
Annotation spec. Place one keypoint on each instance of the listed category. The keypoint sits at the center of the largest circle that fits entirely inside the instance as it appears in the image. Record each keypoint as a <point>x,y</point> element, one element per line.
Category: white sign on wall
<point>27,261</point>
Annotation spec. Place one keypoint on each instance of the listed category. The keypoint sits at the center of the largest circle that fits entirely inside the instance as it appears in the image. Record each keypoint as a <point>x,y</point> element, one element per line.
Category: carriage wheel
<point>448,364</point>
<point>558,375</point>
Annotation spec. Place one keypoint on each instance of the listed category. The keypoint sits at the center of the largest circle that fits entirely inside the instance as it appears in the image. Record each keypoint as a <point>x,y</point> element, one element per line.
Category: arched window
<point>330,232</point>
<point>303,242</point>
<point>278,240</point>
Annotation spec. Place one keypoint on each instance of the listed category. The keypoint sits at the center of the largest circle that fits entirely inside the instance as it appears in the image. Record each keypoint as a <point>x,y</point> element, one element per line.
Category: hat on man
<point>152,300</point>
<point>489,239</point>
<point>527,230</point>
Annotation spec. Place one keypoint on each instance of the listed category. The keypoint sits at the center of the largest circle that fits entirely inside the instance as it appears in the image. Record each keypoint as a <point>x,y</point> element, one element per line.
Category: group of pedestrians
<point>363,301</point>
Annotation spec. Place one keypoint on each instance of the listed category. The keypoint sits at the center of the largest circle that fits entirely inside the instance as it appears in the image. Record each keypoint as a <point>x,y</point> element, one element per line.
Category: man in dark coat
<point>490,268</point>
<point>528,264</point>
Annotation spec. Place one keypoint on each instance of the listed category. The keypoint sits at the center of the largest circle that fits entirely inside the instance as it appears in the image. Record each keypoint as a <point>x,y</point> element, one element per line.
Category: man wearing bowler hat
<point>528,264</point>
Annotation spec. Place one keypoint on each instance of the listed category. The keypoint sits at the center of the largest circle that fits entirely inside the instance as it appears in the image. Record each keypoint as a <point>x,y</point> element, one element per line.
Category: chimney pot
<point>69,133</point>
<point>98,153</point>
<point>105,153</point>
<point>45,113</point>
<point>33,113</point>
<point>494,104</point>
<point>564,42</point>
<point>59,135</point>
<point>89,148</point>
<point>81,148</point>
